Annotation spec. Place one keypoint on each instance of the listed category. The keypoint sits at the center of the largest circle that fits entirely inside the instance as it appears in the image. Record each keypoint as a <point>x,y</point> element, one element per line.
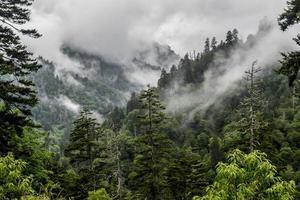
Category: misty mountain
<point>94,82</point>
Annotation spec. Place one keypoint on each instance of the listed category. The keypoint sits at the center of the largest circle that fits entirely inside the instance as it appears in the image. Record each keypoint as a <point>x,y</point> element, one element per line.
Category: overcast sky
<point>117,28</point>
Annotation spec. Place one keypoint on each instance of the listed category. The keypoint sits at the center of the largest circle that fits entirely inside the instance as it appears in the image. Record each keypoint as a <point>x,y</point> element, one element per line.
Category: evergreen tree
<point>229,38</point>
<point>173,73</point>
<point>87,154</point>
<point>216,154</point>
<point>115,119</point>
<point>251,124</point>
<point>115,150</point>
<point>133,102</point>
<point>186,69</point>
<point>235,35</point>
<point>291,60</point>
<point>187,174</point>
<point>17,95</point>
<point>152,150</point>
<point>164,79</point>
<point>81,148</point>
<point>214,43</point>
<point>290,67</point>
<point>290,16</point>
<point>207,46</point>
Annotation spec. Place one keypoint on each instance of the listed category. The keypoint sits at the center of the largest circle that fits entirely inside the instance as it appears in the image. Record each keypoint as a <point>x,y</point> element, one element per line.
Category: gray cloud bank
<point>117,29</point>
<point>265,47</point>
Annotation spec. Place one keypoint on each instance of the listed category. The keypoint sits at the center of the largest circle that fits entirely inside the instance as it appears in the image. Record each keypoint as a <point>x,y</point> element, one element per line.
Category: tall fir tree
<point>186,69</point>
<point>229,38</point>
<point>215,149</point>
<point>187,174</point>
<point>152,150</point>
<point>214,43</point>
<point>87,154</point>
<point>235,35</point>
<point>81,147</point>
<point>251,124</point>
<point>290,16</point>
<point>133,102</point>
<point>164,79</point>
<point>206,46</point>
<point>173,72</point>
<point>17,95</point>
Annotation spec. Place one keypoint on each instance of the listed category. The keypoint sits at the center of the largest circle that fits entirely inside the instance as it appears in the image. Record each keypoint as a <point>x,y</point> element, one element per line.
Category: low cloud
<point>118,30</point>
<point>269,43</point>
<point>69,104</point>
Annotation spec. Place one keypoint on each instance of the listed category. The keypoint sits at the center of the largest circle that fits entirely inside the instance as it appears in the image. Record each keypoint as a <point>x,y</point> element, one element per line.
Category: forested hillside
<point>98,84</point>
<point>218,125</point>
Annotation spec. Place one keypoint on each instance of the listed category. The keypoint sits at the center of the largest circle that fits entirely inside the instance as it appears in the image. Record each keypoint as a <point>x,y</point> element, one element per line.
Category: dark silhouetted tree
<point>207,46</point>
<point>214,43</point>
<point>17,95</point>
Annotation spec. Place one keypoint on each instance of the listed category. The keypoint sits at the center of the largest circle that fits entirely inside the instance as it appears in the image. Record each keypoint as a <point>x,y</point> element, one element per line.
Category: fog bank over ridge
<point>119,30</point>
<point>260,47</point>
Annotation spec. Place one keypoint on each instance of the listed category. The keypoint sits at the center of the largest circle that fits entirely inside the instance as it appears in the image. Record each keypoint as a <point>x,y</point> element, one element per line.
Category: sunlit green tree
<point>248,176</point>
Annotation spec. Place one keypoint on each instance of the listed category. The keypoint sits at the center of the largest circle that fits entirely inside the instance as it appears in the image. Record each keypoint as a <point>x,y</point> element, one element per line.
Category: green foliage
<point>187,174</point>
<point>145,153</point>
<point>100,194</point>
<point>291,15</point>
<point>291,60</point>
<point>13,182</point>
<point>29,149</point>
<point>248,176</point>
<point>290,66</point>
<point>17,93</point>
<point>250,125</point>
<point>216,154</point>
<point>40,197</point>
<point>83,141</point>
<point>88,155</point>
<point>153,150</point>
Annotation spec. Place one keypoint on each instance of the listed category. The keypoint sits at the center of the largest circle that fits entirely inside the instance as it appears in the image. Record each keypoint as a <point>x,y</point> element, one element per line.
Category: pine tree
<point>214,43</point>
<point>291,60</point>
<point>173,72</point>
<point>115,119</point>
<point>290,16</point>
<point>17,95</point>
<point>87,154</point>
<point>164,79</point>
<point>133,103</point>
<point>235,35</point>
<point>187,174</point>
<point>251,125</point>
<point>290,66</point>
<point>186,69</point>
<point>153,149</point>
<point>229,38</point>
<point>206,46</point>
<point>117,166</point>
<point>216,154</point>
<point>81,147</point>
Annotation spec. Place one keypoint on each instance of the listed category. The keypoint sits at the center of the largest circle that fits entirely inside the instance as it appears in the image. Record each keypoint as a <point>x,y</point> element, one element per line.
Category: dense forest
<point>245,145</point>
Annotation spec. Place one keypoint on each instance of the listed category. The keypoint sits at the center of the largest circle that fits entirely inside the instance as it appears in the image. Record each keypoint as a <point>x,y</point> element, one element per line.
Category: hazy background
<point>116,29</point>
